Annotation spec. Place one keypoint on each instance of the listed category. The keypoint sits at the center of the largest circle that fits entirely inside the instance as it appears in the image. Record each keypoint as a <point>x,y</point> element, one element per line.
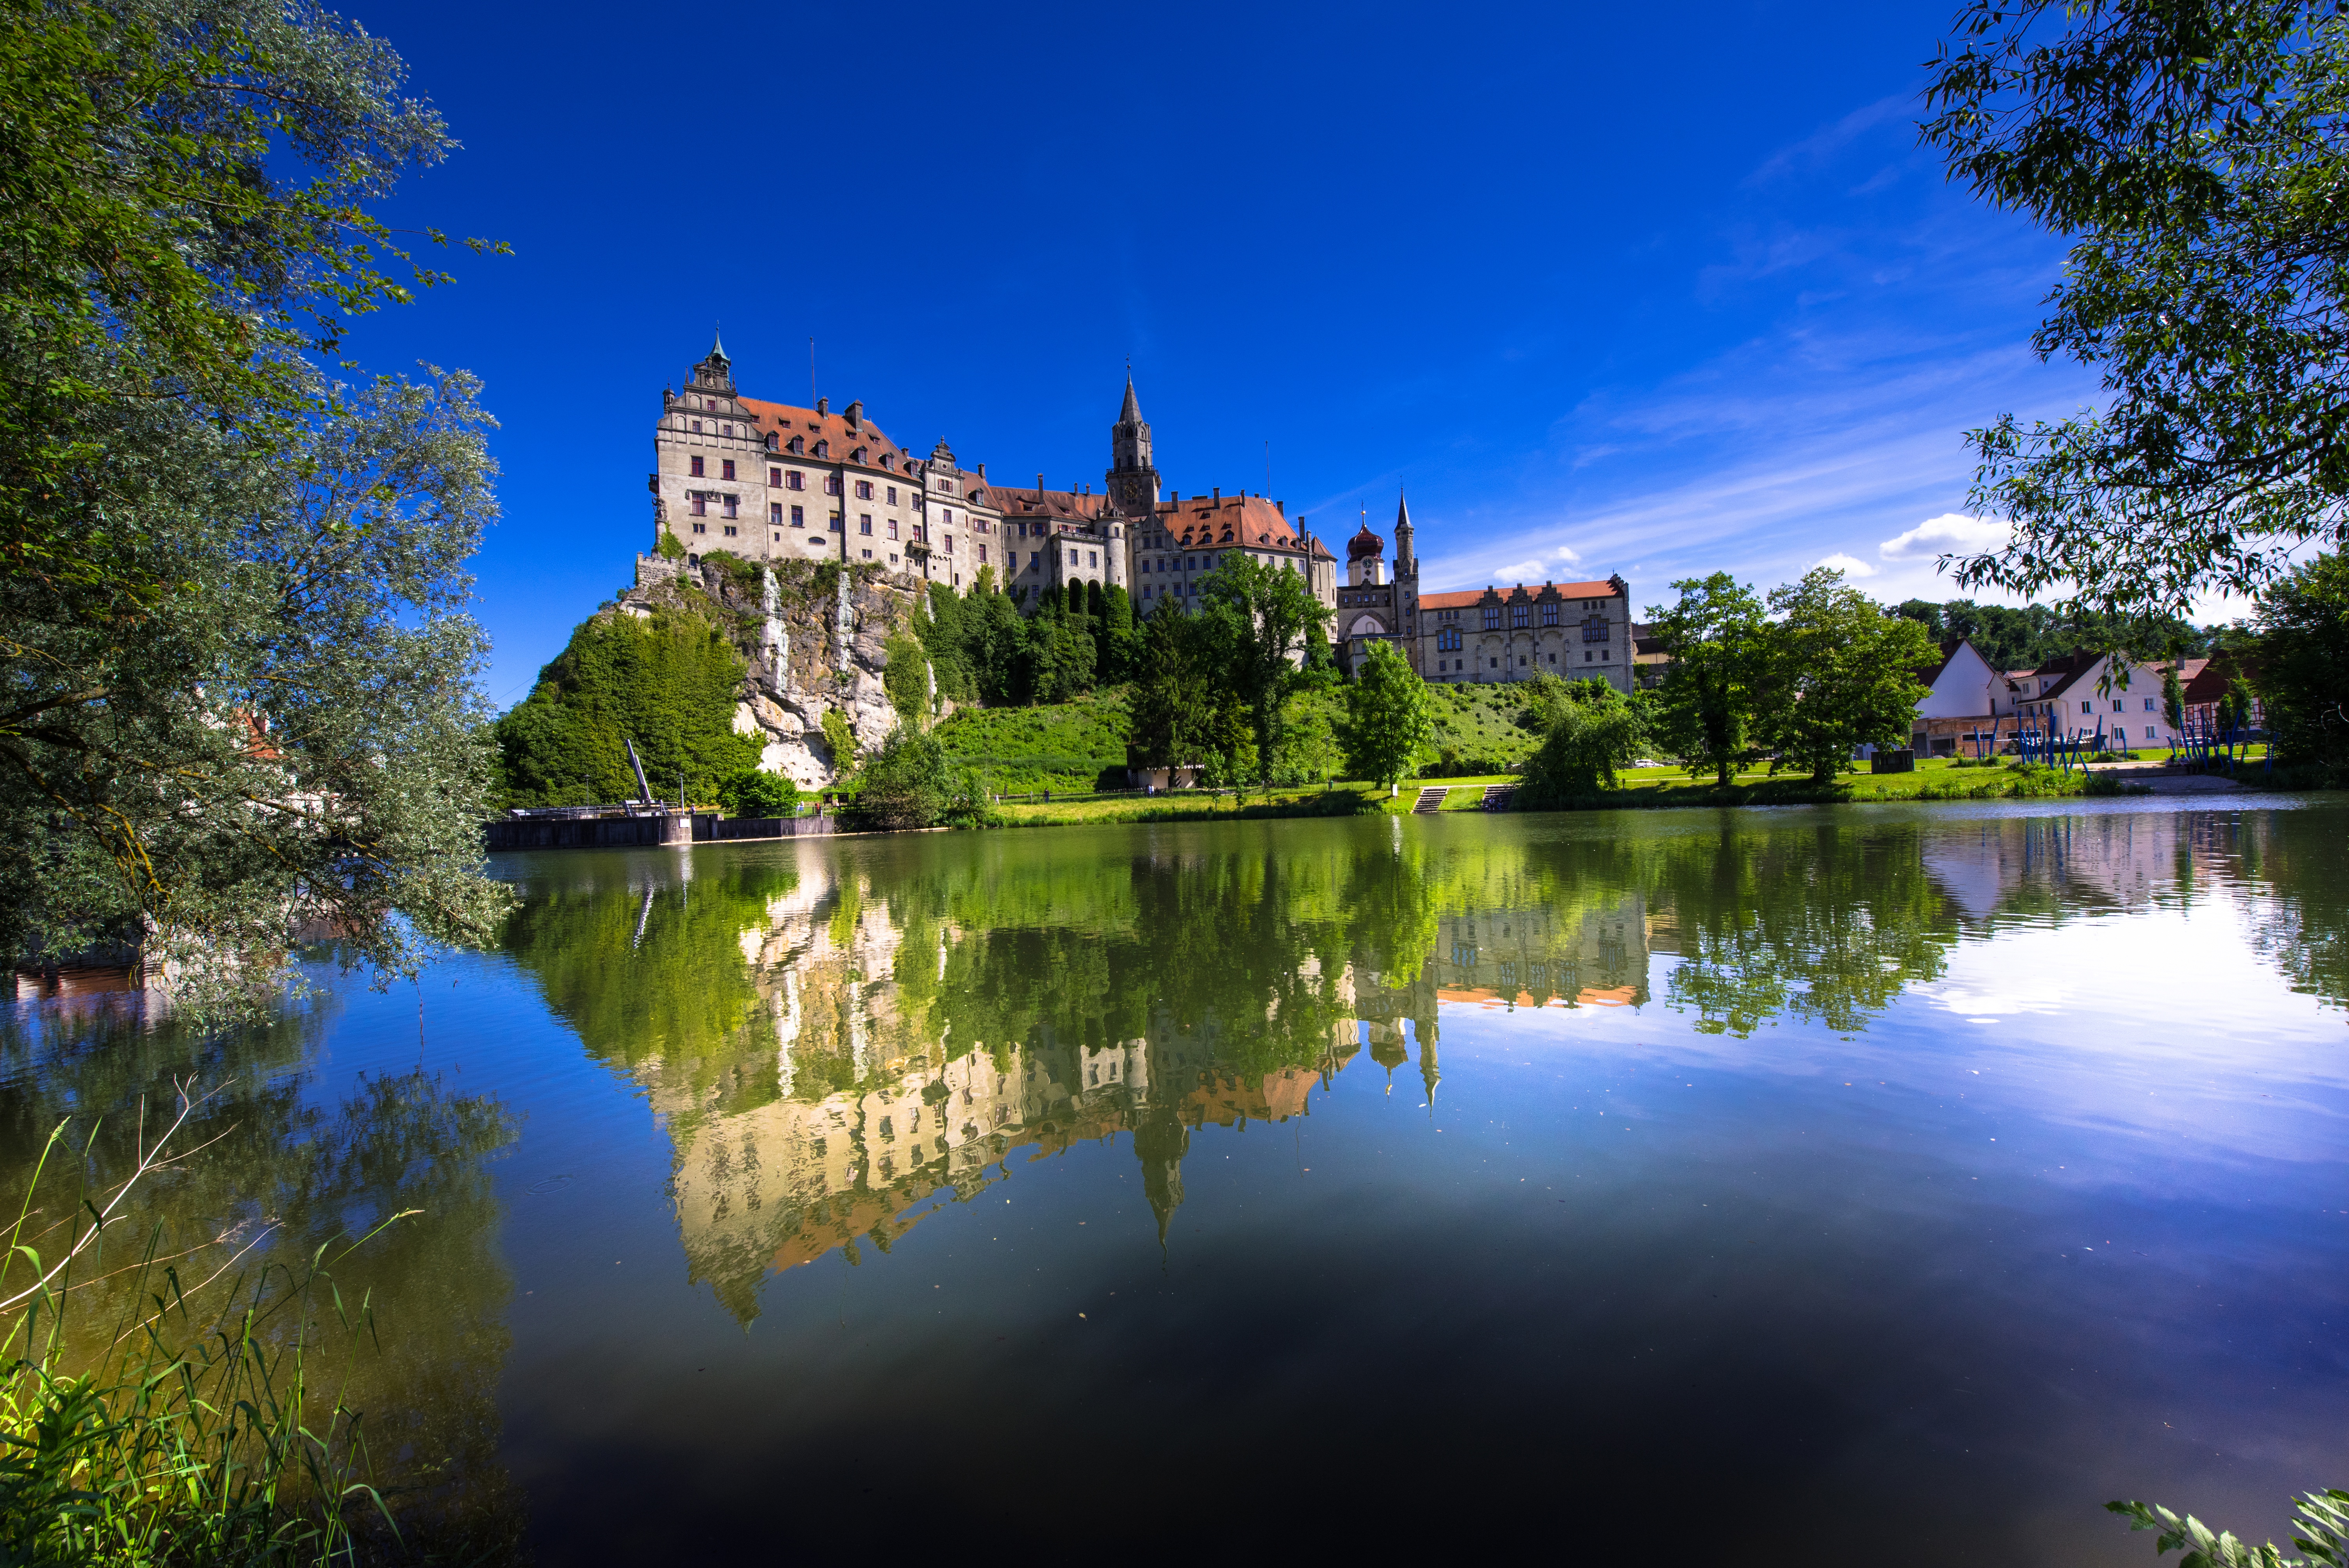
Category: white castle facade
<point>773,481</point>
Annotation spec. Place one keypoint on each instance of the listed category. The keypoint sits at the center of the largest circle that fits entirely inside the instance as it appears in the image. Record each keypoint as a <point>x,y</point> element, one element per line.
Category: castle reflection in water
<point>838,1038</point>
<point>872,1122</point>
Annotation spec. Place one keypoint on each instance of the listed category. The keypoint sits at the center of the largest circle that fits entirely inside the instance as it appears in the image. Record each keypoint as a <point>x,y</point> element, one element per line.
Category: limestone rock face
<point>801,660</point>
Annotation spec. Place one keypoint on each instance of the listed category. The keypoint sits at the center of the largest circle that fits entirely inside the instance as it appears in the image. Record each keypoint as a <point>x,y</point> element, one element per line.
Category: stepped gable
<point>1239,519</point>
<point>844,434</point>
<point>1600,590</point>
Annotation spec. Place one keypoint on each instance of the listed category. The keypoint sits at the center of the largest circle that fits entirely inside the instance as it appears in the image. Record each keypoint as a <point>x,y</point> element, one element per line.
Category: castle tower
<point>1406,584</point>
<point>714,373</point>
<point>1407,562</point>
<point>1132,477</point>
<point>1363,567</point>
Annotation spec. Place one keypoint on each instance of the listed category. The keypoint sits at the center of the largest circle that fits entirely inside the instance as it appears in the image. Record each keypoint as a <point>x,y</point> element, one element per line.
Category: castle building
<point>1575,630</point>
<point>774,482</point>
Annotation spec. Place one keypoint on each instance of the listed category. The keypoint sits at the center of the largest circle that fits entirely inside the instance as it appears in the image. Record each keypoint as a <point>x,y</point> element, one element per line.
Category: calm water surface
<point>1833,1187</point>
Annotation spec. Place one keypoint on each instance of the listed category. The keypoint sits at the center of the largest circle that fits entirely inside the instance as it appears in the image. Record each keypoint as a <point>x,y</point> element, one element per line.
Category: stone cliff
<point>814,636</point>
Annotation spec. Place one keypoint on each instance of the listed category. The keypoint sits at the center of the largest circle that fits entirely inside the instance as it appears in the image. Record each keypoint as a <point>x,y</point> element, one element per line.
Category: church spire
<point>1407,562</point>
<point>1132,413</point>
<point>1133,476</point>
<point>717,344</point>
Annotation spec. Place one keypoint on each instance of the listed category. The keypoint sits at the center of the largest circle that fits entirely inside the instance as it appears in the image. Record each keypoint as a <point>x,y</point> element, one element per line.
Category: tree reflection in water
<point>277,1165</point>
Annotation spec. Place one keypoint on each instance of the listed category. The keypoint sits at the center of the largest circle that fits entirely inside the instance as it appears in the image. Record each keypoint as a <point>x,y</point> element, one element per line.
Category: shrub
<point>755,792</point>
<point>903,784</point>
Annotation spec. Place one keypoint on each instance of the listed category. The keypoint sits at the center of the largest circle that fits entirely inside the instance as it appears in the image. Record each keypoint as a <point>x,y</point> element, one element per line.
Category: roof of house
<point>1250,520</point>
<point>1066,506</point>
<point>1547,591</point>
<point>834,430</point>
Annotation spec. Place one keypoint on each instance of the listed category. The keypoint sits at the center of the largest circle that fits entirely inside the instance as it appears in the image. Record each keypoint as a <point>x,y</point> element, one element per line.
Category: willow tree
<point>2193,151</point>
<point>238,701</point>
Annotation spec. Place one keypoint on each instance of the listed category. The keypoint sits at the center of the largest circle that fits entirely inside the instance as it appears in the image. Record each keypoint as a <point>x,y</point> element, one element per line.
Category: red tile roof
<point>1205,520</point>
<point>1601,589</point>
<point>787,420</point>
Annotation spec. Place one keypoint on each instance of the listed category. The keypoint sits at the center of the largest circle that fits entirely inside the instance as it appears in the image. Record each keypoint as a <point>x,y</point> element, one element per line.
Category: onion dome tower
<point>1364,565</point>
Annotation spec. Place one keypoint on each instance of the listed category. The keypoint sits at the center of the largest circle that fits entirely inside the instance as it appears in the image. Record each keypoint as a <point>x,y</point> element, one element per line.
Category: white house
<point>2081,693</point>
<point>1962,705</point>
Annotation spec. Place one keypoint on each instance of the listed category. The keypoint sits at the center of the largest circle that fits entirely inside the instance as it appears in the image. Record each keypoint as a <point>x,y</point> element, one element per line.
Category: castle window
<point>729,429</point>
<point>831,482</point>
<point>775,512</point>
<point>949,544</point>
<point>696,467</point>
<point>893,528</point>
<point>863,489</point>
<point>857,456</point>
<point>696,427</point>
<point>732,507</point>
<point>700,504</point>
<point>1594,630</point>
<point>775,478</point>
<point>865,522</point>
<point>1492,618</point>
<point>771,440</point>
<point>701,528</point>
<point>982,554</point>
<point>1091,558</point>
<point>823,449</point>
<point>726,468</point>
<point>798,517</point>
<point>893,495</point>
<point>799,443</point>
<point>732,531</point>
<point>1549,614</point>
<point>836,523</point>
<point>1519,616</point>
<point>795,480</point>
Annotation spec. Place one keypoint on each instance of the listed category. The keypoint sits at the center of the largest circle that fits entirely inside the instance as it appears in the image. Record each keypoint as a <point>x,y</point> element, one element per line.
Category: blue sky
<point>1649,290</point>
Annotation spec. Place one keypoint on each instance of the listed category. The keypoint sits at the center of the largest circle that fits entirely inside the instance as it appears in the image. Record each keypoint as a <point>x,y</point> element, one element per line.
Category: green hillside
<point>1064,745</point>
<point>1071,746</point>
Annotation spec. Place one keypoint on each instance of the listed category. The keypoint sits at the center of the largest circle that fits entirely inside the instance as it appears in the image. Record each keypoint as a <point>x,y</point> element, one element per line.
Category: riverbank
<point>1646,788</point>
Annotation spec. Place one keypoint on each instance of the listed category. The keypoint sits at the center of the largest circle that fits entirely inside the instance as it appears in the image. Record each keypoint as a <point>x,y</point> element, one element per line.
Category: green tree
<point>903,784</point>
<point>755,792</point>
<point>1388,721</point>
<point>1838,673</point>
<point>2192,152</point>
<point>1714,637</point>
<point>1266,613</point>
<point>2302,656</point>
<point>240,684</point>
<point>905,677</point>
<point>1180,701</point>
<point>666,682</point>
<point>1593,730</point>
<point>2173,696</point>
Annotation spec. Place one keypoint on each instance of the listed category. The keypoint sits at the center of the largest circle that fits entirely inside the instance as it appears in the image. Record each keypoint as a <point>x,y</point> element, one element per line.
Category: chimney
<point>1173,498</point>
<point>823,406</point>
<point>982,471</point>
<point>856,412</point>
<point>1219,495</point>
<point>1281,506</point>
<point>1039,489</point>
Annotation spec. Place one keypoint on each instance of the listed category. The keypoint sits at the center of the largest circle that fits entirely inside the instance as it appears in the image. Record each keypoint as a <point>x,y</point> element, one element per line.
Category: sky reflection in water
<point>1881,1187</point>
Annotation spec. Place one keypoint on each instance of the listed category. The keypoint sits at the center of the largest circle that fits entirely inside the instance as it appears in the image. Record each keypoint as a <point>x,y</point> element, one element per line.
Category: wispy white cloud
<point>1952,533</point>
<point>1829,139</point>
<point>1850,565</point>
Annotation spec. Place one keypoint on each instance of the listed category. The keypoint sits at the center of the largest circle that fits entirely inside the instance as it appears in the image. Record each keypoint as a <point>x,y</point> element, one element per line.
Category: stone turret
<point>1132,477</point>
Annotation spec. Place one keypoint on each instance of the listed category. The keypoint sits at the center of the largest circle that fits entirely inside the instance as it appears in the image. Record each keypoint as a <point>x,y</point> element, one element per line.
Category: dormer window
<point>857,456</point>
<point>771,440</point>
<point>823,449</point>
<point>799,443</point>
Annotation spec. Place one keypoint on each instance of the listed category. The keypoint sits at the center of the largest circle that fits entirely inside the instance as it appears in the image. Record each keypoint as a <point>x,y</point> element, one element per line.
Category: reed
<point>176,1408</point>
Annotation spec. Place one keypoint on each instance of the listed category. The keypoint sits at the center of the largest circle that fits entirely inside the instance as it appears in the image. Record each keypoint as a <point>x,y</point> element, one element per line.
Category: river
<point>1871,1185</point>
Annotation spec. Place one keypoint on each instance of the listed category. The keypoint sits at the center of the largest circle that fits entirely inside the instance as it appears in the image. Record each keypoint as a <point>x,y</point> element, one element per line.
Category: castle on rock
<point>773,481</point>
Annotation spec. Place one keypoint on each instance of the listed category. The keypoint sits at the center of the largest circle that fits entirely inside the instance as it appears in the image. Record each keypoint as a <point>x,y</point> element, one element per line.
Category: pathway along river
<point>1860,1186</point>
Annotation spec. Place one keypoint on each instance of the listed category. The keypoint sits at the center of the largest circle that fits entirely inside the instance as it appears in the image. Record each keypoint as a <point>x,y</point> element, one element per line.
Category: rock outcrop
<point>814,636</point>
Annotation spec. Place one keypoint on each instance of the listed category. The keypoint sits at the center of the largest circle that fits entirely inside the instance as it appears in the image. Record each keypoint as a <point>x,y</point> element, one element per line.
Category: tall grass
<point>149,1416</point>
